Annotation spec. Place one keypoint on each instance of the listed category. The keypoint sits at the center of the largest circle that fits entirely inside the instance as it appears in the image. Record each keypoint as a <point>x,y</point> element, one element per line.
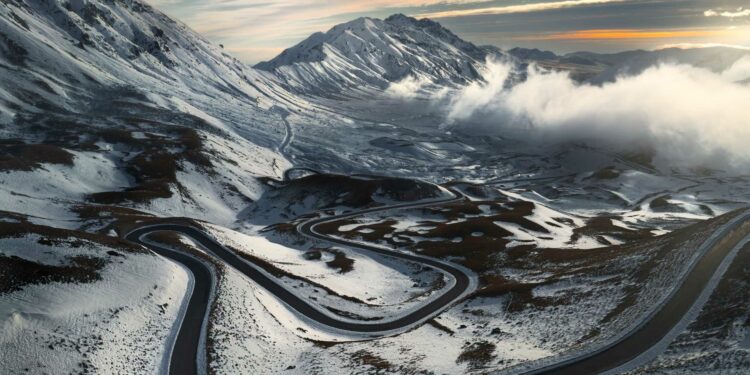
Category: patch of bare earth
<point>640,267</point>
<point>476,355</point>
<point>16,272</point>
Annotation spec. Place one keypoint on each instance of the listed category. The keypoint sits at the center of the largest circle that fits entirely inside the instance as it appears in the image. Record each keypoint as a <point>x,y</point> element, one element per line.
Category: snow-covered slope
<point>121,82</point>
<point>62,53</point>
<point>373,53</point>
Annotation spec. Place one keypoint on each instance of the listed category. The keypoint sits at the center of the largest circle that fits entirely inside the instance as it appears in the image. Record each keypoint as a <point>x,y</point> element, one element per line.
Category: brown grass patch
<point>15,272</point>
<point>363,357</point>
<point>278,272</point>
<point>340,261</point>
<point>28,157</point>
<point>477,354</point>
<point>607,173</point>
<point>433,322</point>
<point>154,168</point>
<point>329,190</point>
<point>477,252</point>
<point>598,227</point>
<point>68,236</point>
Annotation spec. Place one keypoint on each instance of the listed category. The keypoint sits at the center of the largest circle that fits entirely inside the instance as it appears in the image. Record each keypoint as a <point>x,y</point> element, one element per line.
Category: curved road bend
<point>185,353</point>
<point>642,338</point>
<point>658,325</point>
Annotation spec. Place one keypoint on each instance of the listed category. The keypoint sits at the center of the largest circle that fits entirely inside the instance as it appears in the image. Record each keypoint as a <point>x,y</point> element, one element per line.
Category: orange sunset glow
<point>256,30</point>
<point>615,34</point>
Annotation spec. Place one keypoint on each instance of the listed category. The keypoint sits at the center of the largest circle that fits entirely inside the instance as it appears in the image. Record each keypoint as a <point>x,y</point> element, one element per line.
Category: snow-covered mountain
<point>63,54</point>
<point>372,52</point>
<point>122,87</point>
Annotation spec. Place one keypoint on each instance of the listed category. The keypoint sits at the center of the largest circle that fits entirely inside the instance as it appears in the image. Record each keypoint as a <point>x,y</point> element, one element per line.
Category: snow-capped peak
<point>370,52</point>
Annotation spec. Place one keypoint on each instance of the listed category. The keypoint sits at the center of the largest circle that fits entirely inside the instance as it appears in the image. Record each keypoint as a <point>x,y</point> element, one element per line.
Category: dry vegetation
<point>18,156</point>
<point>166,141</point>
<point>316,192</point>
<point>377,363</point>
<point>477,354</point>
<point>642,261</point>
<point>476,251</point>
<point>339,262</point>
<point>156,163</point>
<point>16,272</point>
<point>607,173</point>
<point>20,226</point>
<point>601,226</point>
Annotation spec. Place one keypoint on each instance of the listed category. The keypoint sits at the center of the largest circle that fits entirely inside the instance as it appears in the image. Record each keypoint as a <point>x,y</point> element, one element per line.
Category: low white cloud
<point>408,88</point>
<point>739,71</point>
<point>478,96</point>
<point>740,12</point>
<point>517,8</point>
<point>687,116</point>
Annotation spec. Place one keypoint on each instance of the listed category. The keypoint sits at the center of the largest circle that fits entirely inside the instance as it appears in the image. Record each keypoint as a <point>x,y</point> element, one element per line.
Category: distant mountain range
<point>370,52</point>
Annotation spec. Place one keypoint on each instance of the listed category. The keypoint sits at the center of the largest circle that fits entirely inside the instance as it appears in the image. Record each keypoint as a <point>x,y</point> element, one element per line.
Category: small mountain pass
<point>186,356</point>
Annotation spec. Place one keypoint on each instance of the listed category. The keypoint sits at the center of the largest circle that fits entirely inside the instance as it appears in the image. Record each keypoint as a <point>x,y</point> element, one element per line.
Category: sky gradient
<point>257,30</point>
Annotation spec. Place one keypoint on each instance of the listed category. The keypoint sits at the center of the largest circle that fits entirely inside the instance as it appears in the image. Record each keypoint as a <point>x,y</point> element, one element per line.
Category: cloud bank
<point>407,88</point>
<point>517,8</point>
<point>689,117</point>
<point>740,12</point>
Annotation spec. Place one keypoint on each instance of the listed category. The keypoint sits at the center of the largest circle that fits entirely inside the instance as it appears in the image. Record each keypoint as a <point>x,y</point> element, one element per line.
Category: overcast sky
<point>257,30</point>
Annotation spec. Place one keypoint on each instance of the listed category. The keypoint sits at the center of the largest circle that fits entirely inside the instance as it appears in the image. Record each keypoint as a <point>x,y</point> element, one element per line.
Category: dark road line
<point>660,322</point>
<point>185,353</point>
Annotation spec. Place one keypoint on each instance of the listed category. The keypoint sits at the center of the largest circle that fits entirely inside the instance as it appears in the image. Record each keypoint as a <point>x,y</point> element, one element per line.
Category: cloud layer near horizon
<point>256,30</point>
<point>688,116</point>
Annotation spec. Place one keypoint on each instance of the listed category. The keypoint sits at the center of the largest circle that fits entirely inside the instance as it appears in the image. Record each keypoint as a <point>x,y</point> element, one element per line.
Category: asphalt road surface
<point>652,330</point>
<point>185,353</point>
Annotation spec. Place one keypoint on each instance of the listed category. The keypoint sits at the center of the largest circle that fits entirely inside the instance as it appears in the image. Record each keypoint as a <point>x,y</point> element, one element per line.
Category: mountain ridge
<point>374,53</point>
<point>370,53</point>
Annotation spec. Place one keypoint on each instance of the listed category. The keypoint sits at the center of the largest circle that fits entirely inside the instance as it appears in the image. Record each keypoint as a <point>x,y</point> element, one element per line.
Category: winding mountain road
<point>188,341</point>
<point>187,352</point>
<point>288,133</point>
